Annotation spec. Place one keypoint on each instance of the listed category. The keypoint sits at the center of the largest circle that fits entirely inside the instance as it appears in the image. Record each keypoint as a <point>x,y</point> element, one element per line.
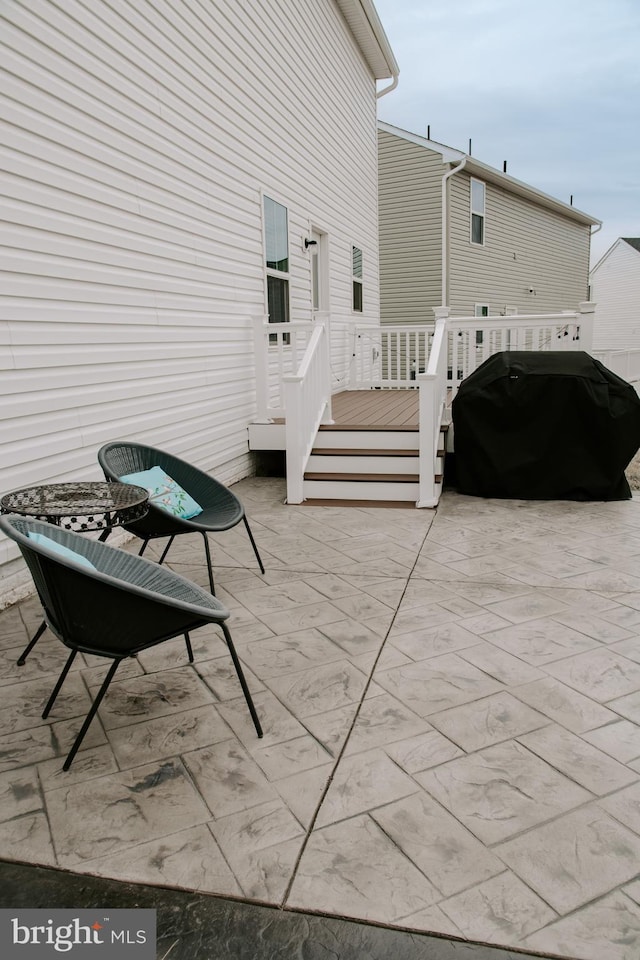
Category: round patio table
<point>79,507</point>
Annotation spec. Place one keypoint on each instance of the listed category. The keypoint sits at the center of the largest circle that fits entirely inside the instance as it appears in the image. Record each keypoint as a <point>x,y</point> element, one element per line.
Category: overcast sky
<point>551,86</point>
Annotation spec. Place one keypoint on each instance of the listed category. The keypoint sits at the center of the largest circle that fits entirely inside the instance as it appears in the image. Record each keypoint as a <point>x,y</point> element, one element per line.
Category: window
<point>356,271</point>
<point>480,310</point>
<point>477,211</point>
<point>276,244</point>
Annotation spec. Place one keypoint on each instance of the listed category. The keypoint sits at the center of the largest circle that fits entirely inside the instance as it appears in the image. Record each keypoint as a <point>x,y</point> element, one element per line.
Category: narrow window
<point>356,271</point>
<point>477,211</point>
<point>481,310</point>
<point>276,243</point>
<point>315,279</point>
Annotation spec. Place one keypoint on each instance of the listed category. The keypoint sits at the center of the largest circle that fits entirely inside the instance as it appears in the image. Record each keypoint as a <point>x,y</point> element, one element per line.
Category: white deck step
<point>360,490</point>
<point>361,464</point>
<point>358,464</point>
<point>367,439</point>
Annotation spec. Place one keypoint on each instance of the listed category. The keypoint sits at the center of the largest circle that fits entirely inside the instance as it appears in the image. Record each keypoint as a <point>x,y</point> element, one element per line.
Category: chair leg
<point>92,712</point>
<point>209,569</point>
<point>166,550</point>
<point>27,650</point>
<point>253,544</point>
<point>241,678</point>
<point>143,547</point>
<point>61,679</point>
<point>187,640</point>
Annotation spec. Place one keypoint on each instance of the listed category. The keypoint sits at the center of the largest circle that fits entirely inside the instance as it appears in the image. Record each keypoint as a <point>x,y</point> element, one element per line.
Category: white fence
<point>626,363</point>
<point>390,356</point>
<point>472,340</point>
<point>393,356</point>
<point>279,350</point>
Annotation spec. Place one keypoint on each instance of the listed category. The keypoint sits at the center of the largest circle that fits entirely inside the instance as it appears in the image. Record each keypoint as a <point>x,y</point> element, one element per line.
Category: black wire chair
<point>221,509</point>
<point>114,607</point>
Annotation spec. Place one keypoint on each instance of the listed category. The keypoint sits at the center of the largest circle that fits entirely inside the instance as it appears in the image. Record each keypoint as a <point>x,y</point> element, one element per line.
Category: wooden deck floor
<point>376,409</point>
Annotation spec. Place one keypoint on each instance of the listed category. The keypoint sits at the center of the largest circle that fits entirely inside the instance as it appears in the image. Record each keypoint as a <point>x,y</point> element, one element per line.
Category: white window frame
<point>477,212</point>
<point>319,277</point>
<point>357,280</point>
<point>481,310</point>
<point>284,275</point>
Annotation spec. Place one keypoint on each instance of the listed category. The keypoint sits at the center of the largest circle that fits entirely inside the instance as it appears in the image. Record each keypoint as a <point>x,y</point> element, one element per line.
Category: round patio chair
<point>221,509</point>
<point>104,601</point>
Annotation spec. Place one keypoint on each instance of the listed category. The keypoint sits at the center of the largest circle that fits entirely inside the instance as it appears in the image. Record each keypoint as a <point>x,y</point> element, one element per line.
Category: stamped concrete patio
<point>451,703</point>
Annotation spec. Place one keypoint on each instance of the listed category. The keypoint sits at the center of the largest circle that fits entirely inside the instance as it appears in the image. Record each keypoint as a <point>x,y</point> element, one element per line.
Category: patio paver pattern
<point>451,704</point>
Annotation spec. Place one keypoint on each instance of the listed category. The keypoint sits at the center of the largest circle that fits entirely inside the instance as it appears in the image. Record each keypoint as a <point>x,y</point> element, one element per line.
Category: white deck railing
<point>279,349</point>
<point>472,340</point>
<point>389,356</point>
<point>393,356</point>
<point>308,403</point>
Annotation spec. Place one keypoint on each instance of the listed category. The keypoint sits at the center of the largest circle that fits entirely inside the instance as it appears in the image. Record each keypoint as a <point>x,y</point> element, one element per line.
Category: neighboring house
<point>458,233</point>
<point>163,165</point>
<point>615,287</point>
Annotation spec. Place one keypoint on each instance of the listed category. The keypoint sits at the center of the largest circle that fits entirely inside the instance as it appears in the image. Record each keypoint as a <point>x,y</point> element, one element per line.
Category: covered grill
<point>545,426</point>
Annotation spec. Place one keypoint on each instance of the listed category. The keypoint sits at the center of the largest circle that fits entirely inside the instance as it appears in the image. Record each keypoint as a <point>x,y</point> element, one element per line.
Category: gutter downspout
<point>591,235</point>
<point>385,90</point>
<point>445,230</point>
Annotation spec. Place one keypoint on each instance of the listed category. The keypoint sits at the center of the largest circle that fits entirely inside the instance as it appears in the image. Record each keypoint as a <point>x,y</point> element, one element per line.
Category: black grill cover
<point>545,426</point>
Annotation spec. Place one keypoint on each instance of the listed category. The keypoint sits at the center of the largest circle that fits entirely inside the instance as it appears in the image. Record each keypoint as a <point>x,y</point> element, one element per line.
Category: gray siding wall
<point>525,246</point>
<point>410,207</point>
<point>137,140</point>
<point>615,287</point>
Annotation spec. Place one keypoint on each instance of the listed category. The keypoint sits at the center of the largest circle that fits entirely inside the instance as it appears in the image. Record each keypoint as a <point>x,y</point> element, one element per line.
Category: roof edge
<point>492,175</point>
<point>362,19</point>
<point>616,243</point>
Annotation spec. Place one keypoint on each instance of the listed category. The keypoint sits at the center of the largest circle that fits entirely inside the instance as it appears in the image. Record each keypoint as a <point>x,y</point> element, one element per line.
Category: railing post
<point>443,313</point>
<point>294,455</point>
<point>431,401</point>
<point>585,319</point>
<point>261,355</point>
<point>353,347</point>
<point>307,394</point>
<point>325,366</point>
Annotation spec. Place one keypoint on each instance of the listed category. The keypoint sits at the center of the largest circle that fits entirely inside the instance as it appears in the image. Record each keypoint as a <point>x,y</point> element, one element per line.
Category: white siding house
<point>615,286</point>
<point>458,233</point>
<point>139,143</point>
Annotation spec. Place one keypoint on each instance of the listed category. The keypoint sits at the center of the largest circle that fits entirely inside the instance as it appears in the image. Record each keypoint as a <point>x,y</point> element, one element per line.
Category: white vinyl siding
<point>615,288</point>
<point>527,247</point>
<point>138,139</point>
<point>410,230</point>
